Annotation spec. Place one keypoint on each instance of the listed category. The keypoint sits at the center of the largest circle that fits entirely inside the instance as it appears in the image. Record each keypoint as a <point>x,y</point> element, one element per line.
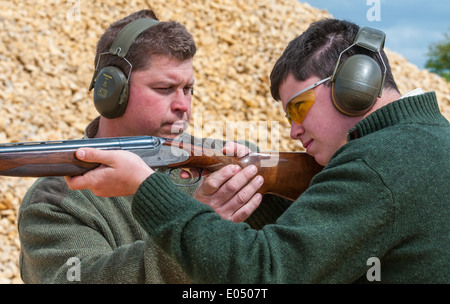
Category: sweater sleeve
<point>327,235</point>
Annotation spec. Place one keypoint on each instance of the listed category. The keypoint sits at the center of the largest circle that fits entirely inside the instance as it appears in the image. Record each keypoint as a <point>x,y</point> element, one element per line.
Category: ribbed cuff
<point>157,201</point>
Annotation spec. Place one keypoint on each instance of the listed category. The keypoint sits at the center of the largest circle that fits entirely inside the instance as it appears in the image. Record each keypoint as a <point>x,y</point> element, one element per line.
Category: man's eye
<point>163,90</point>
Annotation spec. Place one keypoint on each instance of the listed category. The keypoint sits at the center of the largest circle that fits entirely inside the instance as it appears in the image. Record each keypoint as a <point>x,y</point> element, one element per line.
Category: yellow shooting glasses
<point>299,105</point>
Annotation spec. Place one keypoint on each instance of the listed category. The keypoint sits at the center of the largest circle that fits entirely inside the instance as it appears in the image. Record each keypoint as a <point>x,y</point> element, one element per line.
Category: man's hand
<point>231,191</point>
<point>120,173</point>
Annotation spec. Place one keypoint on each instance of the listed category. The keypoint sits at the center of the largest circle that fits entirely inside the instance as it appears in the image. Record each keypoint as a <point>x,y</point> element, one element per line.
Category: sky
<point>411,26</point>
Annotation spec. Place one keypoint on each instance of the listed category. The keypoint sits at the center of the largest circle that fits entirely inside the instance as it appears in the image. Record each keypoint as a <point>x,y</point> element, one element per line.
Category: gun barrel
<point>123,143</point>
<point>57,158</point>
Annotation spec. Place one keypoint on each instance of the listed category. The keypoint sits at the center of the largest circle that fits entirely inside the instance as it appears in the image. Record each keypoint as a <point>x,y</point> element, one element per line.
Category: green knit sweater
<point>76,237</point>
<point>384,195</point>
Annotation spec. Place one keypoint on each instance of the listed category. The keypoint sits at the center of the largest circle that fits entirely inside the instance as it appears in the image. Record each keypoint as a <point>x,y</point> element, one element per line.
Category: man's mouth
<point>177,126</point>
<point>307,144</point>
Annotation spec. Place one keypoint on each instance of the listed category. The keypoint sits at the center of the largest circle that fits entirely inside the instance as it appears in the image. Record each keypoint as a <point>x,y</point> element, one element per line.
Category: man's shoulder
<point>53,191</point>
<point>45,188</point>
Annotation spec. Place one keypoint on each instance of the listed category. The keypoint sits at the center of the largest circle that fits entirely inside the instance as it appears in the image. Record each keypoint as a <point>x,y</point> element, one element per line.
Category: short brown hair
<point>316,51</point>
<point>167,38</point>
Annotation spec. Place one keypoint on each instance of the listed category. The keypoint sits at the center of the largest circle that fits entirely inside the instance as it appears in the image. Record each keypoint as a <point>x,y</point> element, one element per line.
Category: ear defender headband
<point>111,86</point>
<point>358,82</point>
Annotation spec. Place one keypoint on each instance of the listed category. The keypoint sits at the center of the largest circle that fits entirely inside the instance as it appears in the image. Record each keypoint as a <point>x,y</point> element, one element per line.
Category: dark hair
<point>316,51</point>
<point>168,38</point>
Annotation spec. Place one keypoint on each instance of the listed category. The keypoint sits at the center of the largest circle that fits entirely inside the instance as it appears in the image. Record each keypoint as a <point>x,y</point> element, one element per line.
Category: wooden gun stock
<point>286,174</point>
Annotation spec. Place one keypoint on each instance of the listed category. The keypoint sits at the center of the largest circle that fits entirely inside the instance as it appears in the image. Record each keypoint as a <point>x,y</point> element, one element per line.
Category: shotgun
<point>286,174</point>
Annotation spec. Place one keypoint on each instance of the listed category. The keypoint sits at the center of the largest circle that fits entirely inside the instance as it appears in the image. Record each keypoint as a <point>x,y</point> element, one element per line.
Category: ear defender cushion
<point>356,85</point>
<point>111,92</point>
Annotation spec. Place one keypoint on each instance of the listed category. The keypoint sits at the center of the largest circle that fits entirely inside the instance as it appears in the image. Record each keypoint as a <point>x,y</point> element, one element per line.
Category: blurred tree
<point>439,58</point>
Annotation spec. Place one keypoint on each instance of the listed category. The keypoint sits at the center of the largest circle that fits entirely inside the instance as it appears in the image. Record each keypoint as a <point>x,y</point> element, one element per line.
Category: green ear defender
<point>110,84</point>
<point>358,82</point>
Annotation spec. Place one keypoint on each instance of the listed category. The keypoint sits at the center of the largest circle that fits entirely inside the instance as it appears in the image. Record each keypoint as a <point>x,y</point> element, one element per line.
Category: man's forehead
<point>155,60</point>
<point>291,86</point>
<point>166,69</point>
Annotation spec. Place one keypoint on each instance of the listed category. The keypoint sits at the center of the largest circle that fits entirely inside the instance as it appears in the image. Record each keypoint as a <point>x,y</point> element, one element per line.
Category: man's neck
<point>108,128</point>
<point>387,97</point>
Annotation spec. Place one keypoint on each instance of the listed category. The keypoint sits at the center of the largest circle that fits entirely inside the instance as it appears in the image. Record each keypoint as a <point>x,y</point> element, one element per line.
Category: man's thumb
<point>90,155</point>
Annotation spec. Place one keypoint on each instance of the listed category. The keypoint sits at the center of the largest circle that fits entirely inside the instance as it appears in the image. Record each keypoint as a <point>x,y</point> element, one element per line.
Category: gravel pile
<point>47,51</point>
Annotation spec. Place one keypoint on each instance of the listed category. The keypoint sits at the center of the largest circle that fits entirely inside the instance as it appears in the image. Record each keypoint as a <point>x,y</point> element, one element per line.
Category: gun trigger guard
<point>192,176</point>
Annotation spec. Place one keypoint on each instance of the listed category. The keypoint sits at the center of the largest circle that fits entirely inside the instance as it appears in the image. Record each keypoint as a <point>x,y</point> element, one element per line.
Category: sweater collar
<point>422,108</point>
<point>92,128</point>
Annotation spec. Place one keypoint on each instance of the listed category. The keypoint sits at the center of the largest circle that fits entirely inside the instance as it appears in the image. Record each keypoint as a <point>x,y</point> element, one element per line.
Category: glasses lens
<point>298,107</point>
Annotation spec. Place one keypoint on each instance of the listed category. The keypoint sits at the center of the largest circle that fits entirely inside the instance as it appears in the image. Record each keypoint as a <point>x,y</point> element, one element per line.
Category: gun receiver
<point>286,174</point>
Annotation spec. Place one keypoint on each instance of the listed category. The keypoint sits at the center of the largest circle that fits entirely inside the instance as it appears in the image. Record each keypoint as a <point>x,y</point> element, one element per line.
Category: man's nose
<point>181,101</point>
<point>296,130</point>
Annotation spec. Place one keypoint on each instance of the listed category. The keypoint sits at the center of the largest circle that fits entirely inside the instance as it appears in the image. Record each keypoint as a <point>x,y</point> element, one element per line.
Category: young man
<point>74,236</point>
<point>379,209</point>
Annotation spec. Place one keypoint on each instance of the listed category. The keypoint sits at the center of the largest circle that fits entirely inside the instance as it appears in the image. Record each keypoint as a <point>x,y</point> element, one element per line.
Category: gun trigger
<point>192,182</point>
<point>188,170</point>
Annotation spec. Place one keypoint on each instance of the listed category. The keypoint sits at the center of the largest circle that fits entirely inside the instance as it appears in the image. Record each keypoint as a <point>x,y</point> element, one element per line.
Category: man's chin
<point>320,159</point>
<point>171,135</point>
